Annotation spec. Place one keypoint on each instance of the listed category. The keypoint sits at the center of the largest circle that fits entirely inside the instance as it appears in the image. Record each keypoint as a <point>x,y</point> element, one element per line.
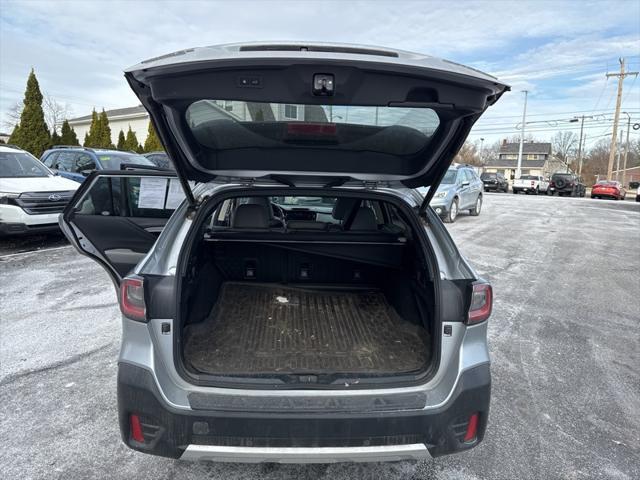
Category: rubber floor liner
<point>267,329</point>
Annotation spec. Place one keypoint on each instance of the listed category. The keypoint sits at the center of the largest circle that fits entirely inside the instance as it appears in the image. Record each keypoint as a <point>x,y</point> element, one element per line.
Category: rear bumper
<point>300,437</point>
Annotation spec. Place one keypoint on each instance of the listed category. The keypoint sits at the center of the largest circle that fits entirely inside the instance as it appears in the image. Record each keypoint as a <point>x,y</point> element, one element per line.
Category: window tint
<point>147,197</point>
<point>66,162</point>
<point>84,162</point>
<point>50,159</point>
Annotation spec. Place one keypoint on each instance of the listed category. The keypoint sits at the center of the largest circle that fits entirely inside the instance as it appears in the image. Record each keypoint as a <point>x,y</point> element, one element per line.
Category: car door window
<point>51,159</point>
<point>84,163</point>
<point>65,162</point>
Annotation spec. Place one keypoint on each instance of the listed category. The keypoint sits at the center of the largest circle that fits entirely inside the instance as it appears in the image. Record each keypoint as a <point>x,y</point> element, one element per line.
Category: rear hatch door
<point>300,112</point>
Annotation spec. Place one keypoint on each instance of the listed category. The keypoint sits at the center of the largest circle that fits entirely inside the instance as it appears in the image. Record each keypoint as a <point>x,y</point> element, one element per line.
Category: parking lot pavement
<point>564,339</point>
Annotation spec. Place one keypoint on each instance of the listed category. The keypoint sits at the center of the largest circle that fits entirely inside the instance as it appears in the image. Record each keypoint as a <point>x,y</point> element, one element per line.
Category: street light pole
<point>524,118</point>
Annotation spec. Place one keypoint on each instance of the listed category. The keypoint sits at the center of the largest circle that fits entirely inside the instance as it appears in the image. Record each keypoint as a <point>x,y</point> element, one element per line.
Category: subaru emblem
<point>54,197</point>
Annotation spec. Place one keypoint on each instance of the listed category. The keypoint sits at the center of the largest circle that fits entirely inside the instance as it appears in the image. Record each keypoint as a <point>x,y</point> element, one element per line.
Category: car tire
<point>515,192</point>
<point>594,196</point>
<point>537,192</point>
<point>452,214</point>
<point>475,211</point>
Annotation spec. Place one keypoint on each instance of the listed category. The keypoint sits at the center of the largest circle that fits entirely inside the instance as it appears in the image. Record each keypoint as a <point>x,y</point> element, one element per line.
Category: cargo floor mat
<point>272,329</point>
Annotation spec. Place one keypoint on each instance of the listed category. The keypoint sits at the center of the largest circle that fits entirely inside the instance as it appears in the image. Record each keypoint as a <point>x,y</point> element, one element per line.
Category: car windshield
<point>112,161</point>
<point>21,164</point>
<point>233,124</point>
<point>606,182</point>
<point>488,175</point>
<point>449,177</point>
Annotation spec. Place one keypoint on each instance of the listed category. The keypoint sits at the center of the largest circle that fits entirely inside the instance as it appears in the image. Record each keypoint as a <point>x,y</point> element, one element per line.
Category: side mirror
<point>465,183</point>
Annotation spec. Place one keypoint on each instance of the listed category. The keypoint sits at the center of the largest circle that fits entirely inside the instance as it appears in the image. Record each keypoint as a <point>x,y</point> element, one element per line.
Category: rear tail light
<point>481,303</point>
<point>472,428</point>
<point>132,298</point>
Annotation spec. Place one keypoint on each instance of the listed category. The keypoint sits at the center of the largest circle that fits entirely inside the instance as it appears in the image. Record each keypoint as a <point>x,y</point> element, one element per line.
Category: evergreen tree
<point>92,137</point>
<point>121,141</point>
<point>55,139</point>
<point>32,132</point>
<point>152,143</point>
<point>68,134</point>
<point>131,142</point>
<point>105,131</point>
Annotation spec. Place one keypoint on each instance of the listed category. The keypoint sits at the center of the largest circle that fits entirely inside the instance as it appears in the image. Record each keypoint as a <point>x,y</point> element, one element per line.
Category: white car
<point>31,195</point>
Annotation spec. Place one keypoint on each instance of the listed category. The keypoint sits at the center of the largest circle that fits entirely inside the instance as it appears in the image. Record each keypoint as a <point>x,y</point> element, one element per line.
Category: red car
<point>608,189</point>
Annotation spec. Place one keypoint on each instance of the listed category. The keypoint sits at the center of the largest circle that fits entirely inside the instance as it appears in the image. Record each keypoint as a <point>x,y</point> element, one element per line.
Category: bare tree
<point>468,154</point>
<point>54,113</point>
<point>12,117</point>
<point>564,145</point>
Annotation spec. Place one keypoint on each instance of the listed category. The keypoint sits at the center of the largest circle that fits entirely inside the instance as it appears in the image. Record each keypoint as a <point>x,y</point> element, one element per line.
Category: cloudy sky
<point>559,51</point>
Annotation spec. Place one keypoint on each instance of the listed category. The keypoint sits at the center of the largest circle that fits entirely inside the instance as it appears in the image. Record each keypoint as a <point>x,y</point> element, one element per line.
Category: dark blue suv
<point>76,163</point>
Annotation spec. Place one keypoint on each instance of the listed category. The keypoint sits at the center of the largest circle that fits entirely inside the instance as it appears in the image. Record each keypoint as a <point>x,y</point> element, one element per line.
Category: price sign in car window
<point>152,193</point>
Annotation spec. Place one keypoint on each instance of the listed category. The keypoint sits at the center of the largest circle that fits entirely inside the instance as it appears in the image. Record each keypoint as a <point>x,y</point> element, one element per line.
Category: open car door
<point>115,217</point>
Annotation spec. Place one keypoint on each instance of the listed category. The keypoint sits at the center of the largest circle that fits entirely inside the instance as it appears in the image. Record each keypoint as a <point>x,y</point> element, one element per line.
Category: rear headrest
<point>365,219</point>
<point>342,207</point>
<point>251,216</point>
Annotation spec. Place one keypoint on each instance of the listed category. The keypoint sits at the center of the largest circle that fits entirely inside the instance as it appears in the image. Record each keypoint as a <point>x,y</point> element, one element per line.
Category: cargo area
<point>304,302</point>
<point>267,328</point>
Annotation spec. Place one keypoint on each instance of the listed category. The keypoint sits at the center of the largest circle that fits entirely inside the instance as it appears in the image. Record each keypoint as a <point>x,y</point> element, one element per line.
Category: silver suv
<point>460,189</point>
<point>287,295</point>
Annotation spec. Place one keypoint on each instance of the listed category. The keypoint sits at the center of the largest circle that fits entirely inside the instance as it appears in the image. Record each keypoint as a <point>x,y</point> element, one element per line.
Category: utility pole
<point>626,150</point>
<point>618,159</point>
<point>575,119</point>
<point>621,76</point>
<point>524,118</point>
<point>580,162</point>
<point>481,145</point>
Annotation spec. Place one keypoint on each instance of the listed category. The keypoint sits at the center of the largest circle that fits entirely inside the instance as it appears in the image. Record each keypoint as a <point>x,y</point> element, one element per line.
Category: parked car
<point>566,184</point>
<point>160,159</point>
<point>494,182</point>
<point>535,184</point>
<point>460,189</point>
<point>608,189</point>
<point>295,308</point>
<point>76,163</point>
<point>31,196</point>
<point>638,195</point>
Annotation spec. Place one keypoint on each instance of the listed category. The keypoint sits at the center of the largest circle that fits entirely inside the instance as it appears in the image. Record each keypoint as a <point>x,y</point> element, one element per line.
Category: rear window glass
<point>488,175</point>
<point>528,177</point>
<point>231,124</point>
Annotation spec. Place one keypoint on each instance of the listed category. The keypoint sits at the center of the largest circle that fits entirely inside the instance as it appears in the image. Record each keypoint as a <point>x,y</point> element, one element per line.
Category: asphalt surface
<point>564,338</point>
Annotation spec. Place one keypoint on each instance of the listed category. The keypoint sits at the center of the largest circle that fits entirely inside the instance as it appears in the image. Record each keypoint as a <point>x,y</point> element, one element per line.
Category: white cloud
<point>79,49</point>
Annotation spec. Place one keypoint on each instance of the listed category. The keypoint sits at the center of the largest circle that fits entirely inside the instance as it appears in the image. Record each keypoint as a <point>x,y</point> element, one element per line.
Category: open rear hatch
<point>301,112</point>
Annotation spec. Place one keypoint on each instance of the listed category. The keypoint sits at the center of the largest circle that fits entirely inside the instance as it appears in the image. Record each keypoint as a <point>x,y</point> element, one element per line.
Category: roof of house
<point>527,147</point>
<point>117,112</point>
<point>502,163</point>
